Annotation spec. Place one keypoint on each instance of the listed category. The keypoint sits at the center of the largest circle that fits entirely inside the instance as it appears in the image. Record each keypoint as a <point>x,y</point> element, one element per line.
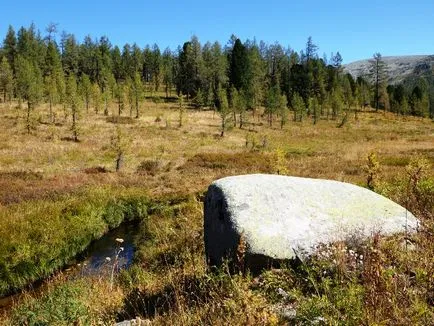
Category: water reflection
<point>101,255</point>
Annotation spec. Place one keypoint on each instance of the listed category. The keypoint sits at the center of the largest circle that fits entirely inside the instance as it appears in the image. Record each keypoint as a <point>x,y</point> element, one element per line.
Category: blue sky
<point>355,29</point>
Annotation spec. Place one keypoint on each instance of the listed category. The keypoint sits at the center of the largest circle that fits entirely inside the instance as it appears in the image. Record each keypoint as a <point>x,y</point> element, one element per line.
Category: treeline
<point>239,76</point>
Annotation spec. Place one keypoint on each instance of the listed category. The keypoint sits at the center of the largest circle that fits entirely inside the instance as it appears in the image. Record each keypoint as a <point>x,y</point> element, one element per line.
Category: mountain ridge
<point>399,68</point>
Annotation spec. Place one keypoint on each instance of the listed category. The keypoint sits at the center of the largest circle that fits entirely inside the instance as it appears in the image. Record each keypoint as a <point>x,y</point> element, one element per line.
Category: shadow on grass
<point>190,291</point>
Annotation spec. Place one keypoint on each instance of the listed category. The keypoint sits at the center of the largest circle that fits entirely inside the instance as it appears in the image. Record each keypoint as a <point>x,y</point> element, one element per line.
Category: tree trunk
<point>119,161</point>
<point>51,111</point>
<point>29,107</point>
<point>105,107</point>
<point>74,125</point>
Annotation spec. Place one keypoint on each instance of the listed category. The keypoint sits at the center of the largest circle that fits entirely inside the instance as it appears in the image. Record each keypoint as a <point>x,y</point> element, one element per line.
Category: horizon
<point>172,24</point>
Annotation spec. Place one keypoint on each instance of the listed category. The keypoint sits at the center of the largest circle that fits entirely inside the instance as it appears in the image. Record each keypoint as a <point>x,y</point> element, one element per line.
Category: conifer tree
<point>223,110</point>
<point>314,108</point>
<point>53,78</point>
<point>85,90</point>
<point>272,102</point>
<point>167,71</point>
<point>137,87</point>
<point>6,79</point>
<point>97,99</point>
<point>299,107</point>
<point>74,103</point>
<point>10,46</point>
<point>29,86</point>
<point>378,75</point>
<point>283,110</point>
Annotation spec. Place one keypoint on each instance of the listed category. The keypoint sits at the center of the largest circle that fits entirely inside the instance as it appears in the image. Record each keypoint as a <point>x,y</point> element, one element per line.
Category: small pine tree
<point>372,169</point>
<point>299,107</point>
<point>137,86</point>
<point>85,90</point>
<point>97,99</point>
<point>223,110</point>
<point>118,146</point>
<point>74,103</point>
<point>283,110</point>
<point>314,107</point>
<point>181,109</point>
<point>199,99</point>
<point>29,86</point>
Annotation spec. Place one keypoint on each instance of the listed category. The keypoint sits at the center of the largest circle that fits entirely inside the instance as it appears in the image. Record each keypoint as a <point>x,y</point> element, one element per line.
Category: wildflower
<point>121,249</point>
<point>120,240</point>
<point>108,259</point>
<point>282,292</point>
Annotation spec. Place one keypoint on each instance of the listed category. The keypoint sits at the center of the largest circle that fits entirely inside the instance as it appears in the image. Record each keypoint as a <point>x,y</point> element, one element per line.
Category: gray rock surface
<point>398,67</point>
<point>280,217</point>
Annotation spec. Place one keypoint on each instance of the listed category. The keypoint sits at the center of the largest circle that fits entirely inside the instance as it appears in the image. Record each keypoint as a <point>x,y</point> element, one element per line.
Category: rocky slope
<point>399,68</point>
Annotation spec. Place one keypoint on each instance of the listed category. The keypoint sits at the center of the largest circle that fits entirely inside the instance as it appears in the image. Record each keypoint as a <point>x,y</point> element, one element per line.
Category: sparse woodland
<point>92,136</point>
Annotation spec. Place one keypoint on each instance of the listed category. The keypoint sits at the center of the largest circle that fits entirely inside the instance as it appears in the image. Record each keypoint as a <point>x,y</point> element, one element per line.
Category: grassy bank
<point>382,281</point>
<point>39,237</point>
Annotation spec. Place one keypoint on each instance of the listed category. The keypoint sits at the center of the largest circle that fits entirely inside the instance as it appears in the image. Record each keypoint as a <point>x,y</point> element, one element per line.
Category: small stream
<point>93,261</point>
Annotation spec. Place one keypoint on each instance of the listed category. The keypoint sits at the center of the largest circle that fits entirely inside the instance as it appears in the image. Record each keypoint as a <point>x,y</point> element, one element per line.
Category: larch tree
<point>54,80</point>
<point>378,76</point>
<point>283,110</point>
<point>156,67</point>
<point>137,87</point>
<point>255,78</point>
<point>311,49</point>
<point>167,71</point>
<point>314,108</point>
<point>97,99</point>
<point>272,102</point>
<point>419,100</point>
<point>74,103</point>
<point>10,46</point>
<point>29,86</point>
<point>85,90</point>
<point>299,107</point>
<point>6,79</point>
<point>223,110</point>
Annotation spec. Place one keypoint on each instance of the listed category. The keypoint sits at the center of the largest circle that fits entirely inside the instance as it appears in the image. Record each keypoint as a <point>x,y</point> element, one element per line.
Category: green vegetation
<point>39,237</point>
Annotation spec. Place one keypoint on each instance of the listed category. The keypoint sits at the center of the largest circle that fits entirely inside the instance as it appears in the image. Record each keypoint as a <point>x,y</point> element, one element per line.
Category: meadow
<point>58,195</point>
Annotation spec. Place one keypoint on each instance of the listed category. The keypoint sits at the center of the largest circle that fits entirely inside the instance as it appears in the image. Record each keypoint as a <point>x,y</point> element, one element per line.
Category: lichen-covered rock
<point>280,217</point>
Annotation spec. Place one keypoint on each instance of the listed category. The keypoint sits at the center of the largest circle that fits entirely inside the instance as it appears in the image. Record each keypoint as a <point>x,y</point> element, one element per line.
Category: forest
<point>231,79</point>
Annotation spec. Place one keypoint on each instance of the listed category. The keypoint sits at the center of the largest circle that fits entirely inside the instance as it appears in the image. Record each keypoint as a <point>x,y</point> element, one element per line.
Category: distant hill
<point>400,68</point>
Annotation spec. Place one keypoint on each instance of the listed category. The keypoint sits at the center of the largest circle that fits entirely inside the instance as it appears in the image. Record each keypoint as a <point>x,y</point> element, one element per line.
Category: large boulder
<point>274,218</point>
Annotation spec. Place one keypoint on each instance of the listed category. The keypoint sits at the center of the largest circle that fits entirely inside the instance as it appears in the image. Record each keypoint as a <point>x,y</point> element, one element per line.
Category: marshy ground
<point>57,195</point>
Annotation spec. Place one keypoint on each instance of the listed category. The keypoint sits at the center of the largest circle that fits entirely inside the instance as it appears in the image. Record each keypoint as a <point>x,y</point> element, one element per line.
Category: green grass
<point>39,237</point>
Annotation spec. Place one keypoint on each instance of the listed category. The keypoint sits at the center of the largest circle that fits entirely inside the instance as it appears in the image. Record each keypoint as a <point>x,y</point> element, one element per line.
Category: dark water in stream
<point>96,256</point>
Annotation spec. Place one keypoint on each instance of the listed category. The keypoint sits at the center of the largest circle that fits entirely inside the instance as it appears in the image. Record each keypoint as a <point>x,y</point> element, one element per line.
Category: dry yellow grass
<point>322,151</point>
<point>184,161</point>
